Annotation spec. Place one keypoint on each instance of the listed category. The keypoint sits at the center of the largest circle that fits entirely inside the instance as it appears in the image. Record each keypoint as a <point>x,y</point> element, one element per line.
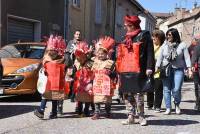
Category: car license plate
<point>1,90</point>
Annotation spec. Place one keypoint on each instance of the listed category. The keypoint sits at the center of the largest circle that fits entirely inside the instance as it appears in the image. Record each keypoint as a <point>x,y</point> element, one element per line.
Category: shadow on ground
<point>190,112</point>
<point>7,111</point>
<point>20,98</point>
<point>188,101</point>
<point>171,122</point>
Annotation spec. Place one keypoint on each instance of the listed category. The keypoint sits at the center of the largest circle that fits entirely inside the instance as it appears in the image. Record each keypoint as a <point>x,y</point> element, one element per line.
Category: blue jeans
<point>43,104</point>
<point>173,84</point>
<point>54,106</point>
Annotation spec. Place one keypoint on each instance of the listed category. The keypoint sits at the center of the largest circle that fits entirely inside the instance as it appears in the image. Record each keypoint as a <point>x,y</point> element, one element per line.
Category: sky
<point>166,6</point>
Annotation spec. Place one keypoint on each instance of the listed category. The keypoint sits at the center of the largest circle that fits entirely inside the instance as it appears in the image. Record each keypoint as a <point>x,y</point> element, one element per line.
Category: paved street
<point>16,117</point>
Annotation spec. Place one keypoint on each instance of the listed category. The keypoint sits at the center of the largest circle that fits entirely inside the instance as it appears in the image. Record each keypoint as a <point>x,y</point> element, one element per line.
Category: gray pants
<point>134,102</point>
<point>98,106</point>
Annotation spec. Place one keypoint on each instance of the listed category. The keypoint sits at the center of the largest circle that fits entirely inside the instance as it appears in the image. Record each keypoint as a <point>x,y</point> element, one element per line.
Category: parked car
<point>21,63</point>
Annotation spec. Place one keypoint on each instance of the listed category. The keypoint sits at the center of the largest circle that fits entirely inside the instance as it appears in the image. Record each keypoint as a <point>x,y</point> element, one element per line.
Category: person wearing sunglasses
<point>175,53</point>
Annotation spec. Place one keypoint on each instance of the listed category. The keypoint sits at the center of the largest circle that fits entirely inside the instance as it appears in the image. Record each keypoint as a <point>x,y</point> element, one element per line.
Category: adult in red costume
<point>135,61</point>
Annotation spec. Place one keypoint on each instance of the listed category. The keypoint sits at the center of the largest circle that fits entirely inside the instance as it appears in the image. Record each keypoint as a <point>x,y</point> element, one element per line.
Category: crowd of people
<point>89,75</point>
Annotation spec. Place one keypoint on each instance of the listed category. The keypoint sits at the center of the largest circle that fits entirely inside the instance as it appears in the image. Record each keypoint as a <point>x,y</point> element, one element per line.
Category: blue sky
<point>166,6</point>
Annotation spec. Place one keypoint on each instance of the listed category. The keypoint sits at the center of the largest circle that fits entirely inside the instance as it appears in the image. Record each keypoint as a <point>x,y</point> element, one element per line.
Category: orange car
<point>21,62</point>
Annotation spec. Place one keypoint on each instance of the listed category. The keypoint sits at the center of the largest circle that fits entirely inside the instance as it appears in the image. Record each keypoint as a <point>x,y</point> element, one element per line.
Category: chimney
<point>195,4</point>
<point>179,12</point>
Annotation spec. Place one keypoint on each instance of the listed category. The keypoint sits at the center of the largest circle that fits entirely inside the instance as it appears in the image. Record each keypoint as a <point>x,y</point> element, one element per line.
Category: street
<point>16,117</point>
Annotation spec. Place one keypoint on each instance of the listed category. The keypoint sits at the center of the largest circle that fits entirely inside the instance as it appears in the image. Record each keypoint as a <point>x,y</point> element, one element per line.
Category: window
<point>76,3</point>
<point>98,14</point>
<point>193,31</point>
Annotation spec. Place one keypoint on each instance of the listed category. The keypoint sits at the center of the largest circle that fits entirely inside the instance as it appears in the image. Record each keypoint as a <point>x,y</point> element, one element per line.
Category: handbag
<point>165,71</point>
<point>148,84</point>
<point>42,81</point>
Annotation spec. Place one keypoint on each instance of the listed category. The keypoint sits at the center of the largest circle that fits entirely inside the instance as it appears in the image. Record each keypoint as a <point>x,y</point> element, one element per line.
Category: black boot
<point>108,110</point>
<point>60,107</point>
<point>197,104</point>
<point>86,109</point>
<point>92,107</point>
<point>53,114</point>
<point>39,113</point>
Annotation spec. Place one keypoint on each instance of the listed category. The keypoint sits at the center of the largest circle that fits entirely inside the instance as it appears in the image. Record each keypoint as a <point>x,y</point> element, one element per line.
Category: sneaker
<point>81,115</point>
<point>39,114</point>
<point>149,107</point>
<point>178,110</point>
<point>118,100</point>
<point>108,115</point>
<point>168,111</point>
<point>87,114</point>
<point>52,116</point>
<point>60,111</point>
<point>72,100</point>
<point>76,110</point>
<point>129,121</point>
<point>142,121</point>
<point>95,117</point>
<point>157,110</point>
<point>197,107</point>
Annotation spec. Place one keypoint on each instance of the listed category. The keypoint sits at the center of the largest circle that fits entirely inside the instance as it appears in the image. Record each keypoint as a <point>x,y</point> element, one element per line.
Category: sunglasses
<point>169,34</point>
<point>126,25</point>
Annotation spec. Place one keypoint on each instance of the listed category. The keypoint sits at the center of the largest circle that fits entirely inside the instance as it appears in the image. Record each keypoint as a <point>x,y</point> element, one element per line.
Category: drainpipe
<point>0,23</point>
<point>114,9</point>
<point>66,2</point>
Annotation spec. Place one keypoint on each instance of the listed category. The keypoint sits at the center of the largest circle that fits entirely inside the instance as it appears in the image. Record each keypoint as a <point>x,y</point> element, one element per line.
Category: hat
<point>81,49</point>
<point>132,20</point>
<point>56,43</point>
<point>105,43</point>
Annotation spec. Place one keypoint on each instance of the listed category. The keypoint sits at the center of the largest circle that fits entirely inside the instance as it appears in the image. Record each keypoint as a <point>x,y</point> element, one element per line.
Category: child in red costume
<point>54,68</point>
<point>83,79</point>
<point>103,89</point>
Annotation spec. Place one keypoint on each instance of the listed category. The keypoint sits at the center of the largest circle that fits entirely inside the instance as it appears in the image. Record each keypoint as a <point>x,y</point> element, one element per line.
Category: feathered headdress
<point>82,49</point>
<point>56,43</point>
<point>105,43</point>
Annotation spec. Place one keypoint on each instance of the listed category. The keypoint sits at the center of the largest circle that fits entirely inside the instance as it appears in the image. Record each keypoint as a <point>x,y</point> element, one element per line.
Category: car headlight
<point>28,68</point>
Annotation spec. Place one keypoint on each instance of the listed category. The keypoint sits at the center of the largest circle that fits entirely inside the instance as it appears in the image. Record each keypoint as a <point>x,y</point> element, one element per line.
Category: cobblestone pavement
<point>16,117</point>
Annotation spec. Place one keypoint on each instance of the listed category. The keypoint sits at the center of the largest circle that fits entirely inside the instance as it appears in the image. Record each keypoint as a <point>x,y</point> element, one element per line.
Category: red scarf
<point>129,36</point>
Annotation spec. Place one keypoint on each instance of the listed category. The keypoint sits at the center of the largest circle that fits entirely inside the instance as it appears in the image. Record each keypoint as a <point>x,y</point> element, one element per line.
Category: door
<point>20,30</point>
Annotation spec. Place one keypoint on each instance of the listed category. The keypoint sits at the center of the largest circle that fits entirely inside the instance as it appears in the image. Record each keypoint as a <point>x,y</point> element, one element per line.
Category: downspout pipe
<point>66,2</point>
<point>114,21</point>
<point>0,23</point>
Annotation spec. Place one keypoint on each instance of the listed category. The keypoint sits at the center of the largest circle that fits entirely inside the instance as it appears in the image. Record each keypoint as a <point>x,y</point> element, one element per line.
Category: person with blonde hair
<point>173,59</point>
<point>154,99</point>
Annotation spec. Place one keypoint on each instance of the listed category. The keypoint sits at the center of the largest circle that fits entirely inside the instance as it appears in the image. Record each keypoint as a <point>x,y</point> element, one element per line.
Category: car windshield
<point>30,51</point>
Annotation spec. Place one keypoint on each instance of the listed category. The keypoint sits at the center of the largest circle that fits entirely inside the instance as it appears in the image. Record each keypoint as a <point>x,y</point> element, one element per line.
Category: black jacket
<point>134,82</point>
<point>196,55</point>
